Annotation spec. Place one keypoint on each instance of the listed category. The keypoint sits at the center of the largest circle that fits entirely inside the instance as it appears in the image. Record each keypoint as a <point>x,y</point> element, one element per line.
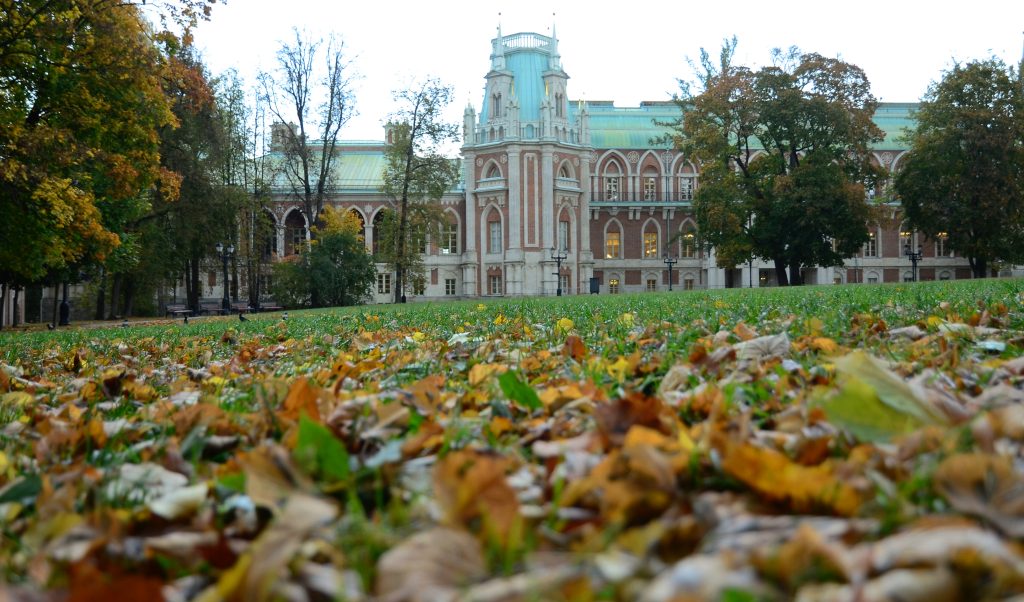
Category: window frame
<point>608,244</point>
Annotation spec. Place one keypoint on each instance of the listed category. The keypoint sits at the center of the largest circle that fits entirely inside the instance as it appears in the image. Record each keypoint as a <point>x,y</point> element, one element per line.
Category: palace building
<point>542,171</point>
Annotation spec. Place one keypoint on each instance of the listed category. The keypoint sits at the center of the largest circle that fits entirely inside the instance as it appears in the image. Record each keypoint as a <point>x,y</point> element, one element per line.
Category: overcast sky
<point>621,51</point>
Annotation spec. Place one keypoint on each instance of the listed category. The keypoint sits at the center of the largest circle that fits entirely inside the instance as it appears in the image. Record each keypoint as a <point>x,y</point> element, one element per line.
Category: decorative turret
<point>555,59</point>
<point>498,52</point>
<point>469,124</point>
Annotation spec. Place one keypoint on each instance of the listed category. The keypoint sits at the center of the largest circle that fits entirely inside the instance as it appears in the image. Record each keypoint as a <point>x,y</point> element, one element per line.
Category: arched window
<point>450,238</point>
<point>563,233</point>
<point>687,182</point>
<point>559,108</point>
<point>294,232</point>
<point>612,182</point>
<point>613,242</point>
<point>496,105</point>
<point>494,244</point>
<point>688,241</point>
<point>650,241</point>
<point>362,223</point>
<point>378,228</point>
<point>650,184</point>
<point>871,246</point>
<point>493,172</point>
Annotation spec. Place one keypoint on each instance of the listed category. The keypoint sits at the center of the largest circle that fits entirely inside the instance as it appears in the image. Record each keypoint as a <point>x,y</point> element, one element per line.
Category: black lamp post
<point>559,257</point>
<point>225,254</point>
<point>65,308</point>
<point>914,258</point>
<point>669,261</point>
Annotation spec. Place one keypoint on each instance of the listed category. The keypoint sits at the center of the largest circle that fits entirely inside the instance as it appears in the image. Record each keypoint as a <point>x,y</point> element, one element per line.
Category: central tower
<point>526,168</point>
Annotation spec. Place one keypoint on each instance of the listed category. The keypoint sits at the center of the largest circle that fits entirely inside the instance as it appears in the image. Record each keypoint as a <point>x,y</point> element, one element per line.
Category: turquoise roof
<point>633,127</point>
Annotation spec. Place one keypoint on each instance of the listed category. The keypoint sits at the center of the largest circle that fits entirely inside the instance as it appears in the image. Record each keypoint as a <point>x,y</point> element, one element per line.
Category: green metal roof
<point>633,127</point>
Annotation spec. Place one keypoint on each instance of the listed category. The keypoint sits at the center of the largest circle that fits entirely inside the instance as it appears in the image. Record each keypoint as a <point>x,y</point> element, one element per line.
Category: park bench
<point>211,308</point>
<point>270,305</point>
<point>240,307</point>
<point>177,310</point>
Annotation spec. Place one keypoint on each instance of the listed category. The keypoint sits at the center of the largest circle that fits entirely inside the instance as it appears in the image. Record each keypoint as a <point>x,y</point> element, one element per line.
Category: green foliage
<point>964,175</point>
<point>335,266</point>
<point>417,175</point>
<point>517,390</point>
<point>801,201</point>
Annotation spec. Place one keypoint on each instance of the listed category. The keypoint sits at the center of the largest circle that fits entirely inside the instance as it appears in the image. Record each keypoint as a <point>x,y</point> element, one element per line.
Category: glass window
<point>612,245</point>
<point>872,280</point>
<point>383,284</point>
<point>940,245</point>
<point>449,286</point>
<point>494,284</point>
<point>688,284</point>
<point>871,246</point>
<point>689,249</point>
<point>650,244</point>
<point>450,239</point>
<point>494,239</point>
<point>611,188</point>
<point>613,286</point>
<point>686,188</point>
<point>650,188</point>
<point>563,236</point>
<point>652,284</point>
<point>564,283</point>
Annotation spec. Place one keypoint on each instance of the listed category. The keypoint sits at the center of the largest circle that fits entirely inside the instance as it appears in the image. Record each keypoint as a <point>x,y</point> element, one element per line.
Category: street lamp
<point>669,261</point>
<point>225,254</point>
<point>559,257</point>
<point>914,257</point>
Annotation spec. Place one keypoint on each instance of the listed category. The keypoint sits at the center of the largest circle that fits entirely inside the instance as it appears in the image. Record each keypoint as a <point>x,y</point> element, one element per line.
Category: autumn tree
<point>310,104</point>
<point>784,155</point>
<point>964,174</point>
<point>79,114</point>
<point>416,176</point>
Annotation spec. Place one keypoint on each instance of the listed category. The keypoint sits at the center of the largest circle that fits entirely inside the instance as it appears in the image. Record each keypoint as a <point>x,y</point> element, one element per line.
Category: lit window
<point>871,246</point>
<point>613,286</point>
<point>652,284</point>
<point>940,245</point>
<point>450,239</point>
<point>383,283</point>
<point>563,236</point>
<point>650,188</point>
<point>494,284</point>
<point>906,239</point>
<point>612,245</point>
<point>449,286</point>
<point>494,240</point>
<point>689,250</point>
<point>650,244</point>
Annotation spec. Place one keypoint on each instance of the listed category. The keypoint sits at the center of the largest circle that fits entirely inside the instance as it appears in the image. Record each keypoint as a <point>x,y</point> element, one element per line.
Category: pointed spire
<point>555,61</point>
<point>498,52</point>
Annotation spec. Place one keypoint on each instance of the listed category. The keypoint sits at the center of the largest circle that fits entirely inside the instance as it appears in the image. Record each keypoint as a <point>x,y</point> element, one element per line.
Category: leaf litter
<point>816,444</point>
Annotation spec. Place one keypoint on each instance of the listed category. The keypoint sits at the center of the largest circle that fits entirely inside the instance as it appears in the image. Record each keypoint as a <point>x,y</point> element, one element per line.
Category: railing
<point>621,197</point>
<point>525,40</point>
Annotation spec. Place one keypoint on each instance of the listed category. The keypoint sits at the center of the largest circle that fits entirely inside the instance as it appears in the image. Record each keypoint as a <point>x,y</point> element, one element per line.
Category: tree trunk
<point>780,271</point>
<point>115,294</point>
<point>129,297</point>
<point>193,284</point>
<point>56,294</point>
<point>795,277</point>
<point>101,298</point>
<point>978,266</point>
<point>14,307</point>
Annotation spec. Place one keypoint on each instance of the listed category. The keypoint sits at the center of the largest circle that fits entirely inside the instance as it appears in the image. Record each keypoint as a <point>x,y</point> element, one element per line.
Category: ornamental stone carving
<point>479,162</point>
<point>504,158</point>
<point>633,157</point>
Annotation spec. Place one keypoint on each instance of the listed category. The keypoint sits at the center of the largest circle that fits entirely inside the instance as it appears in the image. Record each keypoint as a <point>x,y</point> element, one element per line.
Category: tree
<point>784,155</point>
<point>79,114</point>
<point>416,176</point>
<point>963,177</point>
<point>315,111</point>
<point>333,270</point>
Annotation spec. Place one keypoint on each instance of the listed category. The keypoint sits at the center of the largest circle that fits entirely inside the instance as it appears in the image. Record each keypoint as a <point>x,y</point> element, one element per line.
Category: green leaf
<point>319,452</point>
<point>26,487</point>
<point>874,403</point>
<point>518,391</point>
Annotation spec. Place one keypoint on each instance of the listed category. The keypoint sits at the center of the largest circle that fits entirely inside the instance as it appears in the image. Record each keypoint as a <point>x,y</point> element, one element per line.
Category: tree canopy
<point>963,177</point>
<point>416,176</point>
<point>784,155</point>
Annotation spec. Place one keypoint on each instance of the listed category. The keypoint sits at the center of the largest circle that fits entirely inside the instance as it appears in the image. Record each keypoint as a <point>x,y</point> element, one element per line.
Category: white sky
<point>621,51</point>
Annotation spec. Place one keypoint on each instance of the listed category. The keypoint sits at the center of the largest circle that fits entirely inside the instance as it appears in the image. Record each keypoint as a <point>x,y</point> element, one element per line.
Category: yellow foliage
<point>339,221</point>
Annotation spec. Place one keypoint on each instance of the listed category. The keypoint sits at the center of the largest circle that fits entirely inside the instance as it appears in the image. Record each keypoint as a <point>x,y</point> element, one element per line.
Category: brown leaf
<point>301,400</point>
<point>430,566</point>
<point>984,486</point>
<point>471,485</point>
<point>574,348</point>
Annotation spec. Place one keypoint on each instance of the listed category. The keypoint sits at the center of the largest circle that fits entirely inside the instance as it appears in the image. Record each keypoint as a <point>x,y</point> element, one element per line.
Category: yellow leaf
<point>815,325</point>
<point>481,372</point>
<point>626,319</point>
<point>825,344</point>
<point>418,336</point>
<point>498,321</point>
<point>16,398</point>
<point>619,368</point>
<point>564,325</point>
<point>934,321</point>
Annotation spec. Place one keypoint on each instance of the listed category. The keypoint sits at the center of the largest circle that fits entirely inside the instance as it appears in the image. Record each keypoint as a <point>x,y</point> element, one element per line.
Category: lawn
<point>817,443</point>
